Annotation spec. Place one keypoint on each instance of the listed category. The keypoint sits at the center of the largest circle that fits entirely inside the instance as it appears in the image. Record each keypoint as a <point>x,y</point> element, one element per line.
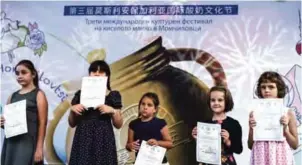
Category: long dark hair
<point>29,65</point>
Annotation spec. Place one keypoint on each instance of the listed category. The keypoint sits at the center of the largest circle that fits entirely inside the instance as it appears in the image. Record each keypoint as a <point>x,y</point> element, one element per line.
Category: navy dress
<point>94,142</point>
<point>148,130</point>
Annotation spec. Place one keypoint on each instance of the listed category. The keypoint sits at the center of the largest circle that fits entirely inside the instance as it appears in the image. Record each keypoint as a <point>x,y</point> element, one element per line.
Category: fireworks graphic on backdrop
<point>247,48</point>
<point>87,42</point>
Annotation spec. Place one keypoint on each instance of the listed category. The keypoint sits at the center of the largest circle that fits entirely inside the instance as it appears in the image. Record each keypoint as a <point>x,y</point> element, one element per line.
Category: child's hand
<point>134,146</point>
<point>152,142</point>
<point>194,132</point>
<point>105,109</point>
<point>38,157</point>
<point>252,121</point>
<point>226,137</point>
<point>78,109</point>
<point>284,121</point>
<point>2,121</point>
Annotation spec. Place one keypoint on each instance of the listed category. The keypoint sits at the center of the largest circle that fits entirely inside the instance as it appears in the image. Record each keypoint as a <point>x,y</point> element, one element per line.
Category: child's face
<point>147,107</point>
<point>217,101</point>
<point>269,90</point>
<point>97,73</point>
<point>24,75</point>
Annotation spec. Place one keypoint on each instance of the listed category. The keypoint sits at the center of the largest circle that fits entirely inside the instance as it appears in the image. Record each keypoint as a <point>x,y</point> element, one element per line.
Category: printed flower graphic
<point>14,35</point>
<point>35,40</point>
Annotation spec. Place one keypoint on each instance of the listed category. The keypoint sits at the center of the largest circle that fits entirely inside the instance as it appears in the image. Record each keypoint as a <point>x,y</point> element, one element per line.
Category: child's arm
<point>74,114</point>
<point>130,146</point>
<point>130,139</point>
<point>9,100</point>
<point>116,107</point>
<point>250,141</point>
<point>2,118</point>
<point>113,108</point>
<point>252,123</point>
<point>117,119</point>
<point>75,110</point>
<point>42,105</point>
<point>73,118</point>
<point>167,140</point>
<point>290,130</point>
<point>235,143</point>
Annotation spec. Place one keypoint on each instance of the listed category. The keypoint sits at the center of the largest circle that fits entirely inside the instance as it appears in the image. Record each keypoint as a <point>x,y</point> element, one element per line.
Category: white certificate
<point>208,148</point>
<point>93,91</point>
<point>267,113</point>
<point>150,155</point>
<point>15,119</point>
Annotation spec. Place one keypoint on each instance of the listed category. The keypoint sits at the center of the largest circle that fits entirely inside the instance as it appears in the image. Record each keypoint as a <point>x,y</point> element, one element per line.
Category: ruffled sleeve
<point>114,99</point>
<point>76,99</point>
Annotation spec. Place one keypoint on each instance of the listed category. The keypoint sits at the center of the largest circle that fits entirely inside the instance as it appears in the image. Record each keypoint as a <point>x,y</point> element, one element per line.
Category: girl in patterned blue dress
<point>94,142</point>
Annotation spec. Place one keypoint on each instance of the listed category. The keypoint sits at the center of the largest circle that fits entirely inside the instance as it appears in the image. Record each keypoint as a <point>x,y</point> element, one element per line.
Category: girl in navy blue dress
<point>94,142</point>
<point>148,127</point>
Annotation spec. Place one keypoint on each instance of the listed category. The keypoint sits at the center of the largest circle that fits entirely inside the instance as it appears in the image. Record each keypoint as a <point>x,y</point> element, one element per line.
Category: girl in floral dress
<point>271,85</point>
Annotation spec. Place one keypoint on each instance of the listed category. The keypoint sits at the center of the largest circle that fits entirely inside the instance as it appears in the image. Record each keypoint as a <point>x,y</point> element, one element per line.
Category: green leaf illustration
<point>44,47</point>
<point>21,44</point>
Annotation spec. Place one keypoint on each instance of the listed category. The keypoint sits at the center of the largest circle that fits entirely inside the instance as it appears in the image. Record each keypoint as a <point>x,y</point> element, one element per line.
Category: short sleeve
<point>114,99</point>
<point>162,123</point>
<point>131,124</point>
<point>76,99</point>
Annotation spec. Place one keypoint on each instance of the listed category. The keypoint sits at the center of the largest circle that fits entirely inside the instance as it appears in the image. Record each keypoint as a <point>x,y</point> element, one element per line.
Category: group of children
<point>94,141</point>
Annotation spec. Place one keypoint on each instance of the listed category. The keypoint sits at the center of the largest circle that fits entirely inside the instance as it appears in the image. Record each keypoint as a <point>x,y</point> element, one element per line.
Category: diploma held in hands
<point>208,143</point>
<point>15,119</point>
<point>267,113</point>
<point>150,155</point>
<point>93,91</point>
